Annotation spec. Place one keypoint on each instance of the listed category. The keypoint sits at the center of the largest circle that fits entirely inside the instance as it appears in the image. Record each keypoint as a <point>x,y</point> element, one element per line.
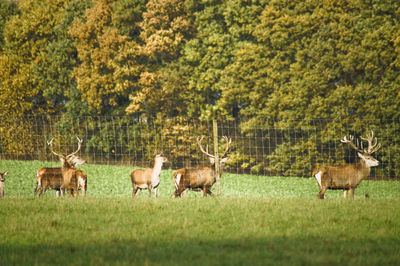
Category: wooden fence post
<point>216,154</point>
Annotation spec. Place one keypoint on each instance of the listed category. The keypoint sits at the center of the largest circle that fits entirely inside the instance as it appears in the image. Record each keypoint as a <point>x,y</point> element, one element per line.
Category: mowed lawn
<point>256,221</point>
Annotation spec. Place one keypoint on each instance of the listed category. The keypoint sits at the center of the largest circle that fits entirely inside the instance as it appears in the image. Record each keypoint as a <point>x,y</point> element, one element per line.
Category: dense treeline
<point>267,63</point>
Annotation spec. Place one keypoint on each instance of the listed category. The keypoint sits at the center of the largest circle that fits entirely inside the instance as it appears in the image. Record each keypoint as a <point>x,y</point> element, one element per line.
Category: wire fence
<point>274,148</point>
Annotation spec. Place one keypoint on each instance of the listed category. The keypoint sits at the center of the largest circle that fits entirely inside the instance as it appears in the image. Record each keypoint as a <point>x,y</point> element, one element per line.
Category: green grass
<point>257,221</point>
<point>107,181</point>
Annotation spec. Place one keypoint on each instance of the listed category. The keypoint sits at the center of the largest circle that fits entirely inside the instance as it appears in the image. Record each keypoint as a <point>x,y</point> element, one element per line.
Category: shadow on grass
<point>276,251</point>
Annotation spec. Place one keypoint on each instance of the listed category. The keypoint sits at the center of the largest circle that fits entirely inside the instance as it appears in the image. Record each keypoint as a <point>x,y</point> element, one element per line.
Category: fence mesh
<point>276,148</point>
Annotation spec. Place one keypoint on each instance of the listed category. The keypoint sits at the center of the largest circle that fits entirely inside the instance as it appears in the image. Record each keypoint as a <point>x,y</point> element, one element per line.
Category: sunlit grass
<point>257,221</point>
<point>114,181</point>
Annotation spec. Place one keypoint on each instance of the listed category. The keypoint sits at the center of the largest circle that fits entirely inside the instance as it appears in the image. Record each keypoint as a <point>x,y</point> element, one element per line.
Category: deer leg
<point>352,193</point>
<point>204,192</point>
<point>42,191</point>
<point>58,192</point>
<point>136,192</point>
<point>209,192</point>
<point>69,192</point>
<point>62,191</point>
<point>156,191</point>
<point>149,190</point>
<point>184,193</point>
<point>345,193</point>
<point>36,190</point>
<point>321,193</point>
<point>133,191</point>
<point>178,192</point>
<point>76,193</point>
<point>175,194</point>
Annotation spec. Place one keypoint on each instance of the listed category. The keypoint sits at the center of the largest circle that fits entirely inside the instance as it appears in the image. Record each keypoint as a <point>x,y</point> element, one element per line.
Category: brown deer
<point>2,183</point>
<point>347,177</point>
<point>72,178</point>
<point>147,178</point>
<point>51,178</point>
<point>199,178</point>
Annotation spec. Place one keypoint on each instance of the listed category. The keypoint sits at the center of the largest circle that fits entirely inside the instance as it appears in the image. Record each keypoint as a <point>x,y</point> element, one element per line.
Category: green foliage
<point>26,38</point>
<point>127,15</point>
<point>268,64</point>
<point>164,31</point>
<point>7,10</point>
<point>108,68</point>
<point>59,87</point>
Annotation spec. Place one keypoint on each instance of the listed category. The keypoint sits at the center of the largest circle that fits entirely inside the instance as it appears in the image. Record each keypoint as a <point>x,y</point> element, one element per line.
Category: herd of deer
<point>345,177</point>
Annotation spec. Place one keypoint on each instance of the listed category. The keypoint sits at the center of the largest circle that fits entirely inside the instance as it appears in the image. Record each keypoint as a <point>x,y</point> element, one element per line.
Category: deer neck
<point>155,176</point>
<point>364,168</point>
<point>65,165</point>
<point>221,167</point>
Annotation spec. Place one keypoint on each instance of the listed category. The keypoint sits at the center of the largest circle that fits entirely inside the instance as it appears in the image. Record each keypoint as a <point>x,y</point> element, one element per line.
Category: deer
<point>147,178</point>
<point>72,178</point>
<point>51,178</point>
<point>2,183</point>
<point>199,178</point>
<point>348,177</point>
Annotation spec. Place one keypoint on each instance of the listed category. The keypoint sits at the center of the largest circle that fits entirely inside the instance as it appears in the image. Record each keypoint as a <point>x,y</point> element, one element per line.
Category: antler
<point>228,144</point>
<point>50,143</point>
<point>79,147</point>
<point>199,140</point>
<point>350,142</point>
<point>373,144</point>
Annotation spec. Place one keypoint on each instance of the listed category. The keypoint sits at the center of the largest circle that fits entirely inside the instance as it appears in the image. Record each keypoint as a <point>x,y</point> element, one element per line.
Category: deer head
<point>365,154</point>
<point>223,158</point>
<point>71,159</point>
<point>2,176</point>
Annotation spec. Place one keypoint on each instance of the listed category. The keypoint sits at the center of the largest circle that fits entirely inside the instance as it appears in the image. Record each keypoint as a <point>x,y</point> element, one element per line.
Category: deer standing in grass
<point>51,178</point>
<point>2,183</point>
<point>347,177</point>
<point>199,178</point>
<point>147,178</point>
<point>72,178</point>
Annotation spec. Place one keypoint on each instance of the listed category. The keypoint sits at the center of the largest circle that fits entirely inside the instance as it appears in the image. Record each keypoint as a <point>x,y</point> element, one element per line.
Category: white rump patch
<point>318,177</point>
<point>178,178</point>
<point>81,182</point>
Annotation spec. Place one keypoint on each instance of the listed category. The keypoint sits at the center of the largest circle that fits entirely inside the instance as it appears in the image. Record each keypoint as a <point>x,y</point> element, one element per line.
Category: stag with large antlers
<point>347,177</point>
<point>199,178</point>
<point>72,178</point>
<point>51,177</point>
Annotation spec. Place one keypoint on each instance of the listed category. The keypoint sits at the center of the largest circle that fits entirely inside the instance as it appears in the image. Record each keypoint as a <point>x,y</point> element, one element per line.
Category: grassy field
<point>257,221</point>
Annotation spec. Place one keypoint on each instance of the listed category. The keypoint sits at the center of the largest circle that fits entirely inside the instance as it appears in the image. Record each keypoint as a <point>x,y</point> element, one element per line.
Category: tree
<point>59,87</point>
<point>25,40</point>
<point>7,10</point>
<point>320,60</point>
<point>164,31</point>
<point>108,68</point>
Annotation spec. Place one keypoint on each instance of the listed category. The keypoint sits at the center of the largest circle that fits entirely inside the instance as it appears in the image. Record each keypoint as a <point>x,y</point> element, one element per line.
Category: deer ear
<point>6,172</point>
<point>360,155</point>
<point>212,160</point>
<point>223,160</point>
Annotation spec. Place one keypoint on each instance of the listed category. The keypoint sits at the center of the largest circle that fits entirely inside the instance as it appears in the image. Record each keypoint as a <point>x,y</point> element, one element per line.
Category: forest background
<point>319,68</point>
